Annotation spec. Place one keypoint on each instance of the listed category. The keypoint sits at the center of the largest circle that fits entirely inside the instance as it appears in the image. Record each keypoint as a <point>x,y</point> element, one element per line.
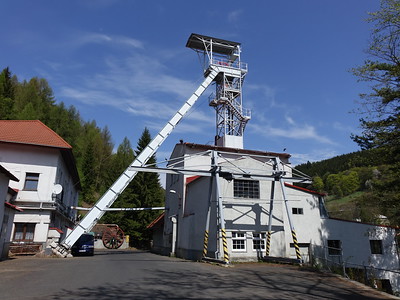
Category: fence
<point>331,259</point>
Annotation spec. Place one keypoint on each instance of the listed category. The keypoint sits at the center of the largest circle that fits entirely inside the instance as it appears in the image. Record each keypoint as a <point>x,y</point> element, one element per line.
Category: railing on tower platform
<point>230,64</point>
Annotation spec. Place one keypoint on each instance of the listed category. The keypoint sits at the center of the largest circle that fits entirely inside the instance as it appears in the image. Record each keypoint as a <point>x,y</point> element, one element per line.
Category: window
<point>297,211</point>
<point>258,241</point>
<point>384,285</point>
<point>24,232</point>
<point>376,246</point>
<point>334,247</point>
<point>31,181</point>
<point>246,189</point>
<point>238,241</point>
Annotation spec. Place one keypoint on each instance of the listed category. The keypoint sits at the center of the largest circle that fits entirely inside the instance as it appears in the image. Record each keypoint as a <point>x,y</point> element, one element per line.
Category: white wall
<point>307,225</point>
<point>20,159</point>
<point>355,239</point>
<point>245,215</point>
<point>355,242</point>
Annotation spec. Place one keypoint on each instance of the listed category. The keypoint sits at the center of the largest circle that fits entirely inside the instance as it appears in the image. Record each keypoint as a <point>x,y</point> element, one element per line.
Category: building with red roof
<point>47,182</point>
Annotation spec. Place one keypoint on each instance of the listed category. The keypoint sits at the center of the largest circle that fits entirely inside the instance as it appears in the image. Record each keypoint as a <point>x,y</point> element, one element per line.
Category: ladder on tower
<point>105,202</point>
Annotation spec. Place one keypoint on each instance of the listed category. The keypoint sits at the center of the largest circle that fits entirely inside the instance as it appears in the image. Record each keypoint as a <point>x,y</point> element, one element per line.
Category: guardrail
<point>226,63</point>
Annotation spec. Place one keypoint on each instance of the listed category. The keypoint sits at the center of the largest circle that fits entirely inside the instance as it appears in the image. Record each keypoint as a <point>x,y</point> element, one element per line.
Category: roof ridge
<point>53,133</point>
<point>31,132</point>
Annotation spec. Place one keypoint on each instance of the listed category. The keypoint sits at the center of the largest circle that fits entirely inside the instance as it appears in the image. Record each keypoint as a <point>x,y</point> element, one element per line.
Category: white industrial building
<point>48,183</point>
<point>244,193</point>
<point>227,203</point>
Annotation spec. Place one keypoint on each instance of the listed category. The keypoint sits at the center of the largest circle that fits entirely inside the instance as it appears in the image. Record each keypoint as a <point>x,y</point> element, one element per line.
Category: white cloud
<point>233,16</point>
<point>268,94</point>
<point>289,120</point>
<point>84,38</point>
<point>316,155</point>
<point>138,83</point>
<point>304,132</point>
<point>342,127</point>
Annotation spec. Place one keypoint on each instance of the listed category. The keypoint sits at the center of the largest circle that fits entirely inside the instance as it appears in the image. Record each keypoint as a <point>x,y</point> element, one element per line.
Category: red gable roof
<point>159,219</point>
<point>304,189</point>
<point>56,229</point>
<point>35,133</point>
<point>32,132</point>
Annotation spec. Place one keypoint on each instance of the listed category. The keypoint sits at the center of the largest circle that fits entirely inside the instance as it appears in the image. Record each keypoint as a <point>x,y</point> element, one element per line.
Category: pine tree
<point>149,192</point>
<point>6,95</point>
<point>88,177</point>
<point>144,191</point>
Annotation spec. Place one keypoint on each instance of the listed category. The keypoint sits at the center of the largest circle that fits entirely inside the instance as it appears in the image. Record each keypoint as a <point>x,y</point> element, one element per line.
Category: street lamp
<point>174,220</point>
<point>179,197</point>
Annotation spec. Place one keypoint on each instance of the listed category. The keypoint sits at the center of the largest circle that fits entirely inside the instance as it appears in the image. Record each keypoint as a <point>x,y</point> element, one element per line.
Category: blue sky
<point>124,64</point>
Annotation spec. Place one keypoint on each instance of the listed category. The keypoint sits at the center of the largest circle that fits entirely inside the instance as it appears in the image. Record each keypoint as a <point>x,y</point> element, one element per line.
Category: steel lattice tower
<point>231,118</point>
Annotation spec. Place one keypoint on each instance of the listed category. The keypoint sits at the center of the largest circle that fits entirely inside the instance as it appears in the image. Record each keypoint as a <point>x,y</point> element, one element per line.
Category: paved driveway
<point>142,275</point>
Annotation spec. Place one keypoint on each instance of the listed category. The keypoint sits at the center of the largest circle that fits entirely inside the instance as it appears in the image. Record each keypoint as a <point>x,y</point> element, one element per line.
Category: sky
<point>124,64</point>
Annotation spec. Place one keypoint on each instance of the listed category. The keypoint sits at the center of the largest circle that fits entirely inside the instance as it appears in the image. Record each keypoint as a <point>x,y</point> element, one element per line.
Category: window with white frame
<point>24,232</point>
<point>258,241</point>
<point>31,181</point>
<point>246,189</point>
<point>238,241</point>
<point>297,211</point>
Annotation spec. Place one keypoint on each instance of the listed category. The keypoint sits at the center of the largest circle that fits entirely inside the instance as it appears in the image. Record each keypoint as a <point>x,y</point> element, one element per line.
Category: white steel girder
<point>98,210</point>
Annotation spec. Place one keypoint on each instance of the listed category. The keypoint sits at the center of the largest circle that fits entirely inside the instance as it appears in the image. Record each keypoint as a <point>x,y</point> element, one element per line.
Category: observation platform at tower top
<point>199,42</point>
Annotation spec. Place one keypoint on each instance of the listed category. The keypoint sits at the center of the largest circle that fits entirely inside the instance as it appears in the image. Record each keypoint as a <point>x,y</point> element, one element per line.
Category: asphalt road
<point>143,275</point>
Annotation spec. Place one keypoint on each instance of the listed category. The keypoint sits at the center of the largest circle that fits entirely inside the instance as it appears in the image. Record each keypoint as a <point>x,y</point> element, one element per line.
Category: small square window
<point>334,247</point>
<point>258,241</point>
<point>297,211</point>
<point>376,246</point>
<point>238,241</point>
<point>31,181</point>
<point>384,285</point>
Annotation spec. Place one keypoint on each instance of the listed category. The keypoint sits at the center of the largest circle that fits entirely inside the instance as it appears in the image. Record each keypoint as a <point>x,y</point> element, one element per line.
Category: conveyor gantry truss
<point>213,72</point>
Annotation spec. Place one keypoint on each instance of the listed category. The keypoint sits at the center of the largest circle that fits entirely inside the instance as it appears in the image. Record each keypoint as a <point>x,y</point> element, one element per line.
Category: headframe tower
<point>231,117</point>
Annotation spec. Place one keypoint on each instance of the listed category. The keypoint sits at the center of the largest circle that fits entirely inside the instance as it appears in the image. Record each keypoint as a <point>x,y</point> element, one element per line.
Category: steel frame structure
<point>225,68</point>
<point>231,117</point>
<point>216,172</point>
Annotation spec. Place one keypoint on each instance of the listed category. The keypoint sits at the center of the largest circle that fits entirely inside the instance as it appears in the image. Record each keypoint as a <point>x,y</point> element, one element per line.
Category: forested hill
<point>337,164</point>
<point>361,185</point>
<point>97,164</point>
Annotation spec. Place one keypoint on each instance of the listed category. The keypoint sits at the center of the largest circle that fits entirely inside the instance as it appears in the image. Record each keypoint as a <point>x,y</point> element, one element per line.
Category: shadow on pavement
<point>224,283</point>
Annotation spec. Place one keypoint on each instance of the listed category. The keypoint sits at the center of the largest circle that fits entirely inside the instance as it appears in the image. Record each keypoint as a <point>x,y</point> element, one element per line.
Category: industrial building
<point>227,203</point>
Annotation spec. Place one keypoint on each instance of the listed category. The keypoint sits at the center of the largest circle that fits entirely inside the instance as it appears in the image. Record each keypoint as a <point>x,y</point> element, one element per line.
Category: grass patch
<point>347,208</point>
<point>351,197</point>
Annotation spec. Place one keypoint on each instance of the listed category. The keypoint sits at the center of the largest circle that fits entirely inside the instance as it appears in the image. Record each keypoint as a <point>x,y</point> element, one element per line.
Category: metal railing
<point>331,259</point>
<point>227,63</point>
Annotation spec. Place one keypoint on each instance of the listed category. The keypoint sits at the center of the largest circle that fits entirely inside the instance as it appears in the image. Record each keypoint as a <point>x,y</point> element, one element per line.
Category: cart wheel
<point>113,237</point>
